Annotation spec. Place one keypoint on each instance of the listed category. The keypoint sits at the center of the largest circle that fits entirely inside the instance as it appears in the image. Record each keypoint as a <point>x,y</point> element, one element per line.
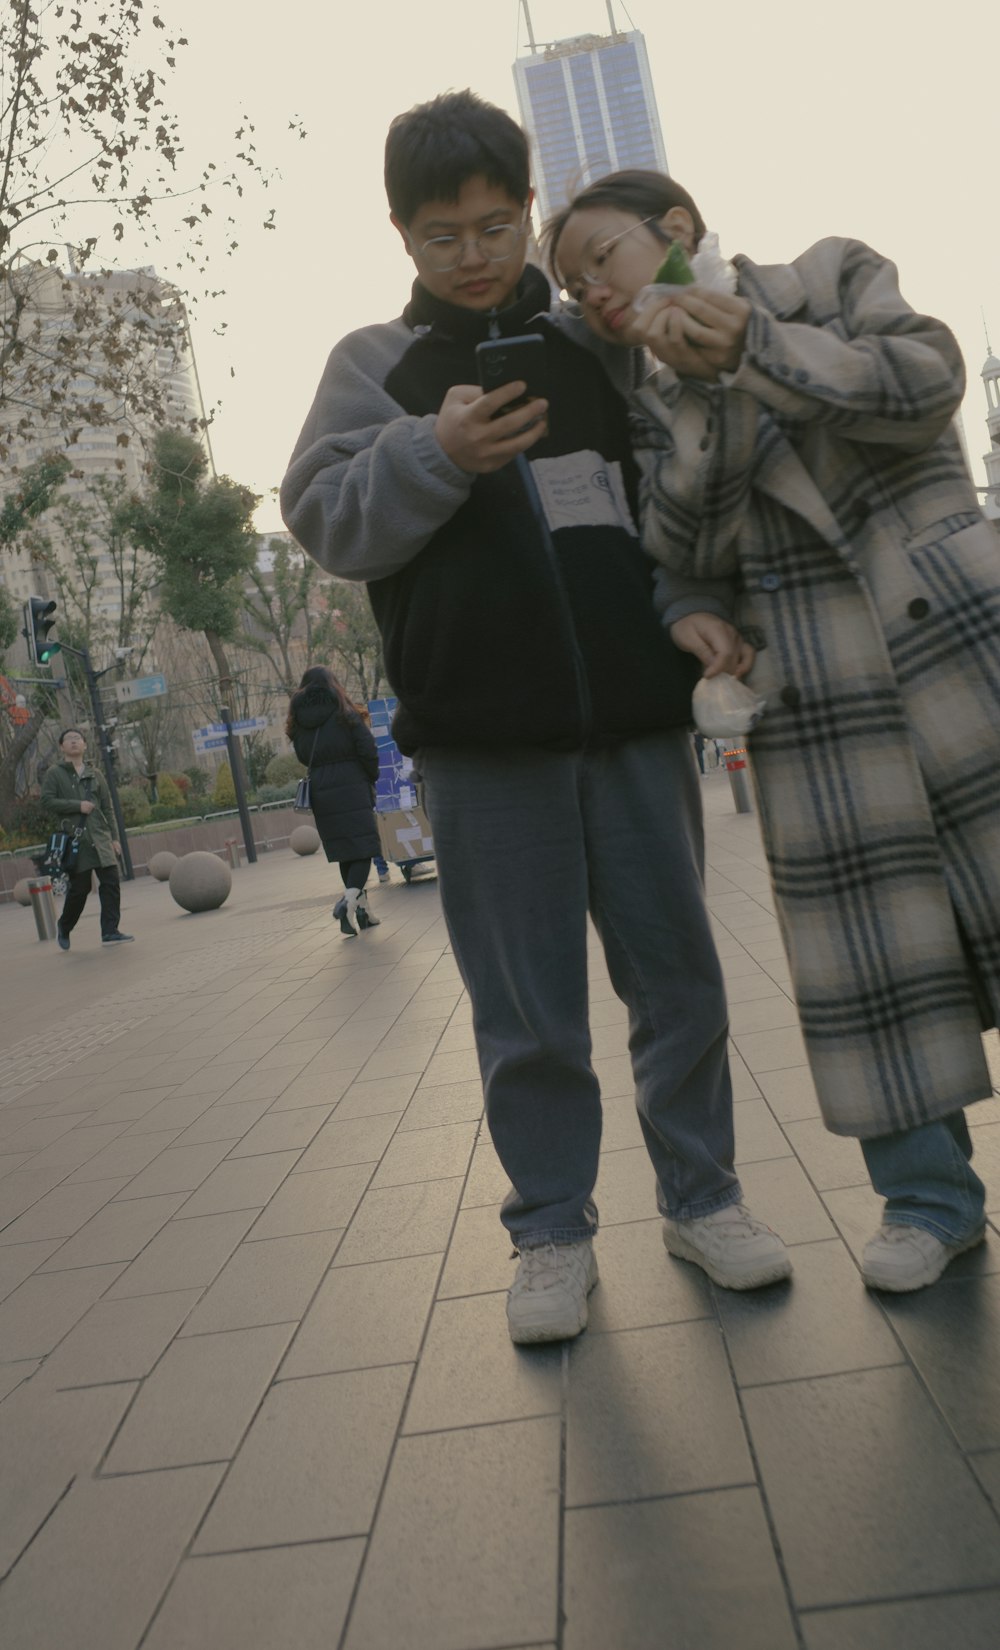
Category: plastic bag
<point>723,706</point>
<point>710,269</point>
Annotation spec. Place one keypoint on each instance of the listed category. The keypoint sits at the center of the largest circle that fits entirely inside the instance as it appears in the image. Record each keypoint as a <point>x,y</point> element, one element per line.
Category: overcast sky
<point>873,118</point>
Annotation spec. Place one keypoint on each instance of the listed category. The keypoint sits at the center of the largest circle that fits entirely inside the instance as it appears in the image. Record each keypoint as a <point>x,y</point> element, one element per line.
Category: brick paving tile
<point>295,1596</point>
<point>67,1589</point>
<point>256,1386</point>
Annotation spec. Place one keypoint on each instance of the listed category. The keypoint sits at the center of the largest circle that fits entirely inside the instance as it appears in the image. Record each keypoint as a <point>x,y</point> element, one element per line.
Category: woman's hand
<point>698,334</point>
<point>714,641</point>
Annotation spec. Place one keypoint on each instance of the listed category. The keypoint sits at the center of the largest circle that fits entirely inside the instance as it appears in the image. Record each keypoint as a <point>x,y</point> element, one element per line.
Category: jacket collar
<point>776,287</point>
<point>531,304</point>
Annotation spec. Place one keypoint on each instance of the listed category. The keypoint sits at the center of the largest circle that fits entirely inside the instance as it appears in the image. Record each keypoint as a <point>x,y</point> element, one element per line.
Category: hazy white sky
<point>873,118</point>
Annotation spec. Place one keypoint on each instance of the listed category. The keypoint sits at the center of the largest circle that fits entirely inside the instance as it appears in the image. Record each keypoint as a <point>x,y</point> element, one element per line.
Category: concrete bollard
<point>739,781</point>
<point>44,906</point>
<point>233,851</point>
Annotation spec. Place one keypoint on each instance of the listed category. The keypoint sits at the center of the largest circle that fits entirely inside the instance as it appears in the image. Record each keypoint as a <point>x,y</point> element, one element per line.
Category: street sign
<point>213,737</point>
<point>249,724</point>
<point>140,687</point>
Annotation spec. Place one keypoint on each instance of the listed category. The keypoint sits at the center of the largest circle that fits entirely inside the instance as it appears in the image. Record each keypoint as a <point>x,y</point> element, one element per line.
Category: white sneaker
<point>901,1258</point>
<point>735,1248</point>
<point>548,1298</point>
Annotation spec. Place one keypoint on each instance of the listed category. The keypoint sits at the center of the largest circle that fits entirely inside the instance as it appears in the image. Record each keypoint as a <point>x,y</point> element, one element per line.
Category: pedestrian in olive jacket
<point>76,794</point>
<point>329,735</point>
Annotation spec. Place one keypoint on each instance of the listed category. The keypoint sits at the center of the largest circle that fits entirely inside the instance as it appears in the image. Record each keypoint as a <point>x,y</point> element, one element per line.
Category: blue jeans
<point>927,1179</point>
<point>526,842</point>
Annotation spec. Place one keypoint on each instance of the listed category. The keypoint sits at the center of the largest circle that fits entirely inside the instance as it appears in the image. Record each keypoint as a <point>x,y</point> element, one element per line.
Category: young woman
<point>803,480</point>
<point>330,737</point>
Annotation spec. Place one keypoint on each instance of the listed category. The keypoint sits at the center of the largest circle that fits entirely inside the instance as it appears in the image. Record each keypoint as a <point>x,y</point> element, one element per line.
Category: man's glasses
<point>496,244</point>
<point>597,251</point>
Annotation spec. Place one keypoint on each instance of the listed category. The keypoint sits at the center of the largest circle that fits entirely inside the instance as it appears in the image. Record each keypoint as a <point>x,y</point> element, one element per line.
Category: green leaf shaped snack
<point>675,269</point>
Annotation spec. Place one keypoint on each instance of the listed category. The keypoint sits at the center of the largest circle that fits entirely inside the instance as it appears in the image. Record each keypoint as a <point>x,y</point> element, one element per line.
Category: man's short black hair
<point>434,149</point>
<point>65,731</point>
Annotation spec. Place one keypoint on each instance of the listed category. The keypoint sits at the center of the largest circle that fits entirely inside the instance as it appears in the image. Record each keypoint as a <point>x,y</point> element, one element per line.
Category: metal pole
<point>239,783</point>
<point>109,772</point>
<point>527,19</point>
<point>43,905</point>
<point>736,767</point>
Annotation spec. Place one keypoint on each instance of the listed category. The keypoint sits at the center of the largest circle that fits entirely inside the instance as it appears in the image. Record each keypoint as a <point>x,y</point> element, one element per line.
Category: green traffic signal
<point>38,621</point>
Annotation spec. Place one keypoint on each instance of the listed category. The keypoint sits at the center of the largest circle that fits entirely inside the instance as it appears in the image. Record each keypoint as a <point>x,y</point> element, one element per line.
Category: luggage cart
<point>403,827</point>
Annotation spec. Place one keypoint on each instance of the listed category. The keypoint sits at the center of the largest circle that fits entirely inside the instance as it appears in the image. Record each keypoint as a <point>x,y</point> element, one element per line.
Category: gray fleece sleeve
<point>368,485</point>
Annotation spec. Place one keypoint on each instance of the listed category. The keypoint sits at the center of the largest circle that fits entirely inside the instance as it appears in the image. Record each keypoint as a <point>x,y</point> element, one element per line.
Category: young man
<point>546,706</point>
<point>74,791</point>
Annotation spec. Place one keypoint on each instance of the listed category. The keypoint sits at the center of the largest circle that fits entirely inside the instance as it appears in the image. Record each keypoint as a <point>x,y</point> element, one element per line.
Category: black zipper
<point>523,468</point>
<point>538,510</point>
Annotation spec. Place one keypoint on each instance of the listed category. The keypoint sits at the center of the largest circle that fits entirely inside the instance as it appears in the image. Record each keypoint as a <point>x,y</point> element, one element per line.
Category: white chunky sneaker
<point>735,1248</point>
<point>902,1258</point>
<point>548,1298</point>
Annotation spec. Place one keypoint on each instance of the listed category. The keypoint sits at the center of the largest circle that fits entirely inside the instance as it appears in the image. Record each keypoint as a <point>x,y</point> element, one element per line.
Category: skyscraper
<point>588,106</point>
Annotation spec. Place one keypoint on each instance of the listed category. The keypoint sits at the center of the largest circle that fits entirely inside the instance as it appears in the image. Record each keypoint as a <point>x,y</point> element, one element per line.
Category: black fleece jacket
<point>496,631</point>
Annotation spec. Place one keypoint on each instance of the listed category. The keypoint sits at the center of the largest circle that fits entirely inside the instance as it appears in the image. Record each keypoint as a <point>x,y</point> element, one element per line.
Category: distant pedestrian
<point>329,735</point>
<point>76,793</point>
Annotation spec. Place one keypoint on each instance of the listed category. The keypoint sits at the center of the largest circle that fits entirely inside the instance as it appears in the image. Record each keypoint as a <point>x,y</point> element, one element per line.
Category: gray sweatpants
<point>527,841</point>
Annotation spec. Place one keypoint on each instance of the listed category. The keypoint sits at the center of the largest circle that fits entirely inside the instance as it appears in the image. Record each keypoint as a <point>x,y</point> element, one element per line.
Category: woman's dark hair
<point>319,676</point>
<point>434,149</point>
<point>647,194</point>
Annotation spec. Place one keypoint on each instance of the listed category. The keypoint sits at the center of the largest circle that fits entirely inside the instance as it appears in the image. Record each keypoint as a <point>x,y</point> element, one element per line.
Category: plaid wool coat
<point>821,499</point>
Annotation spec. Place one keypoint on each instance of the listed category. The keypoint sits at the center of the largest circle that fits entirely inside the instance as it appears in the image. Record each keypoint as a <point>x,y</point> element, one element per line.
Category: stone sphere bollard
<point>21,892</point>
<point>161,865</point>
<point>304,839</point>
<point>200,882</point>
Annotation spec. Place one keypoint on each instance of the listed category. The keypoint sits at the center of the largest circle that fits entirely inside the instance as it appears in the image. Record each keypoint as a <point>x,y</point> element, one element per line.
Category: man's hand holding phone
<point>478,435</point>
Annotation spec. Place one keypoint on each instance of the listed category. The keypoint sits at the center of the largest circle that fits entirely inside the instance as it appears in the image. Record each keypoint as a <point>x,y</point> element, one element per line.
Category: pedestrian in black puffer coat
<point>329,736</point>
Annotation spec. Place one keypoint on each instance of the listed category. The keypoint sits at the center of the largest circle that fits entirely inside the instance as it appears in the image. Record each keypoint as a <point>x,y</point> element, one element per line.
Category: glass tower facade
<point>589,108</point>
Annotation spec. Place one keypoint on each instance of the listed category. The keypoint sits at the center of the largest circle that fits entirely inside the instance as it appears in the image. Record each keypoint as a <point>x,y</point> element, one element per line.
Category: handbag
<point>302,804</point>
<point>62,851</point>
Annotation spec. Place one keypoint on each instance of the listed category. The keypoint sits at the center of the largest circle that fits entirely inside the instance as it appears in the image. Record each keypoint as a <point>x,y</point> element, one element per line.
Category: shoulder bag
<point>302,803</point>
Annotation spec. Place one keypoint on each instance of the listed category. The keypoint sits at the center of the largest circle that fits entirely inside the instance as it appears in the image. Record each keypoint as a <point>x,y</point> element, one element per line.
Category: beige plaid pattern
<point>827,486</point>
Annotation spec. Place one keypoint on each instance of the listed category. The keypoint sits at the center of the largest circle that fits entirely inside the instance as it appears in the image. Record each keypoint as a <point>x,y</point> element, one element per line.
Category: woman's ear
<point>679,225</point>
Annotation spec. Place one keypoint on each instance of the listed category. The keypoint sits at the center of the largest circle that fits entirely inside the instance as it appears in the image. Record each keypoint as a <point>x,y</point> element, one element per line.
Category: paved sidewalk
<point>257,1391</point>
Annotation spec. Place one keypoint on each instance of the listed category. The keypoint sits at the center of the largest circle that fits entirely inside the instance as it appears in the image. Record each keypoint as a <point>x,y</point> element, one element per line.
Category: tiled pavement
<point>257,1388</point>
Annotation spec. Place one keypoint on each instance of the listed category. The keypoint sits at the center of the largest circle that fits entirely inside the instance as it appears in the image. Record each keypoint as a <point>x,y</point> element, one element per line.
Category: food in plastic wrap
<point>723,707</point>
<point>675,269</point>
<point>707,268</point>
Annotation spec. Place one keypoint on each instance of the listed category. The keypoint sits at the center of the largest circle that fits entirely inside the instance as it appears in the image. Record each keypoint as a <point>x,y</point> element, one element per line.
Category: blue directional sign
<point>140,687</point>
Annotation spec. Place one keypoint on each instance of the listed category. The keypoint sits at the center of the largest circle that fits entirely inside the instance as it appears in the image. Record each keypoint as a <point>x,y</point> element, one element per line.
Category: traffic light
<point>38,621</point>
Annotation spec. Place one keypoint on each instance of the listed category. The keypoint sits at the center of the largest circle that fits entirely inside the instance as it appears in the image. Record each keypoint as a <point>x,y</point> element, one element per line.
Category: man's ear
<point>404,232</point>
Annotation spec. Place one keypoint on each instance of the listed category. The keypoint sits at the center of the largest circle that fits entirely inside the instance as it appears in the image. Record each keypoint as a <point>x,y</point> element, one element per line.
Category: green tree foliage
<point>168,792</point>
<point>282,769</point>
<point>224,791</point>
<point>9,625</point>
<point>34,492</point>
<point>347,638</point>
<point>198,530</point>
<point>135,805</point>
<point>276,607</point>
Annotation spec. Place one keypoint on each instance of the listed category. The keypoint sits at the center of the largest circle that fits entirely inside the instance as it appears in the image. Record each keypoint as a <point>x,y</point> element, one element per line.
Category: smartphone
<point>504,360</point>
